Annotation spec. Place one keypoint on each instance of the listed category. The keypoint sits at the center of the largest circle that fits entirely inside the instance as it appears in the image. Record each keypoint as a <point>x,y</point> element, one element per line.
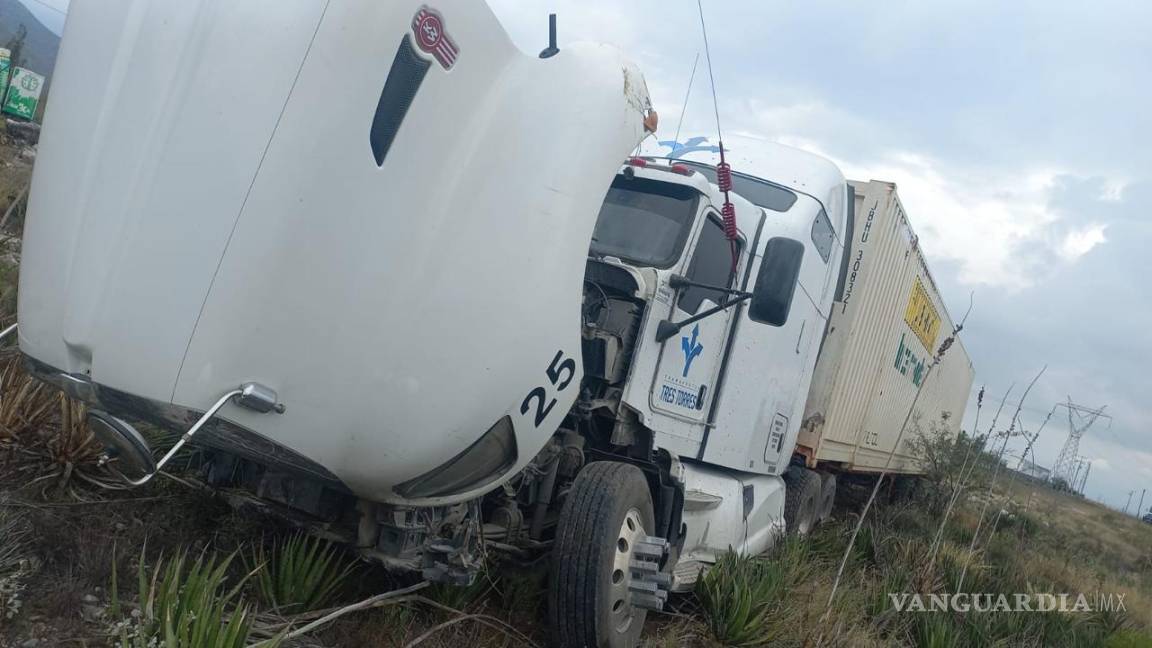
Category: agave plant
<point>300,574</point>
<point>184,604</point>
<point>737,596</point>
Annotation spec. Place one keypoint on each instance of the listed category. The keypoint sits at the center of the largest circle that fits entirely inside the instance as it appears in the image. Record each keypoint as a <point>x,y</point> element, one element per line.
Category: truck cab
<point>676,364</point>
<point>438,335</point>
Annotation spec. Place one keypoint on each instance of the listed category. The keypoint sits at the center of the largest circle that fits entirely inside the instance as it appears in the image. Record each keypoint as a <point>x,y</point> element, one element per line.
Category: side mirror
<point>776,281</point>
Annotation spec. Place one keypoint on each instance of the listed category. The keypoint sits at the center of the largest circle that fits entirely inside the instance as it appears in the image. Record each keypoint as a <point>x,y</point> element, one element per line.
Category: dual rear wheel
<point>808,499</point>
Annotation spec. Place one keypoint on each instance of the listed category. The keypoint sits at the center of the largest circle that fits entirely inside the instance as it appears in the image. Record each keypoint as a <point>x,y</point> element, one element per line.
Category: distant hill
<point>40,44</point>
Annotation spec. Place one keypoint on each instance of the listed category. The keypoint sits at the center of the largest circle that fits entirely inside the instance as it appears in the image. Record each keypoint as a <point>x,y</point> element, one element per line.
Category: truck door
<point>689,362</point>
<point>770,368</point>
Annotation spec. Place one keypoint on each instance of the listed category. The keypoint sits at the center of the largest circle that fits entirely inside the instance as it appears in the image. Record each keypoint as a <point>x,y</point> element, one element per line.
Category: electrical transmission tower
<point>1074,480</point>
<point>1080,418</point>
<point>1084,475</point>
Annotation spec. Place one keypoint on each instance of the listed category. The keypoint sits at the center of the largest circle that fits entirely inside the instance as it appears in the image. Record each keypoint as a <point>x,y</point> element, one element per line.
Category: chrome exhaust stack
<point>125,444</point>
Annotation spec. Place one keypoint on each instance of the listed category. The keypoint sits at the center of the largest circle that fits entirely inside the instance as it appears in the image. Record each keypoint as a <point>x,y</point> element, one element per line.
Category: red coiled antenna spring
<point>723,170</point>
<point>724,182</point>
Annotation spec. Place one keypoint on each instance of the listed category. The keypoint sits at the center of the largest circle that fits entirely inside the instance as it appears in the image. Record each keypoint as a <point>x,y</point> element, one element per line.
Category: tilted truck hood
<point>208,209</point>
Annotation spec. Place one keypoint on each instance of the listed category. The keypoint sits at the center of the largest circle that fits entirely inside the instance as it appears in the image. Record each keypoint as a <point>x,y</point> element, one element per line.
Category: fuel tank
<point>381,210</point>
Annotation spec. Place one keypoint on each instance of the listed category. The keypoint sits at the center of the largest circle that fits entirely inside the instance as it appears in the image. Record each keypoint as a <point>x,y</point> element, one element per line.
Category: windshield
<point>644,221</point>
<point>758,192</point>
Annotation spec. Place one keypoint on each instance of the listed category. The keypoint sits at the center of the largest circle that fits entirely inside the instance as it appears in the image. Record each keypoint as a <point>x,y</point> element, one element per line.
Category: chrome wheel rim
<point>621,611</point>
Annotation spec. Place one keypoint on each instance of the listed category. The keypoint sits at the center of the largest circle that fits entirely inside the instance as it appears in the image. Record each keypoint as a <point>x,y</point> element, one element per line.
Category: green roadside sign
<point>23,93</point>
<point>5,63</point>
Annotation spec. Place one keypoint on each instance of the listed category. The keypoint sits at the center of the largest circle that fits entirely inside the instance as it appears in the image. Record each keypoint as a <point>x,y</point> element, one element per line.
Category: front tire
<point>607,510</point>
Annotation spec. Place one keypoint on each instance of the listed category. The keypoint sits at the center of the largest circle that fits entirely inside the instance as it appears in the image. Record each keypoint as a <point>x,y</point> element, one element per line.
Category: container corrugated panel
<point>887,323</point>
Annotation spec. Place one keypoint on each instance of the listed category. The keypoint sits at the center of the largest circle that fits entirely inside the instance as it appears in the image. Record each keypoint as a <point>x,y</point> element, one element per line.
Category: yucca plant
<point>300,573</point>
<point>46,422</point>
<point>25,403</point>
<point>184,603</point>
<point>74,443</point>
<point>737,596</point>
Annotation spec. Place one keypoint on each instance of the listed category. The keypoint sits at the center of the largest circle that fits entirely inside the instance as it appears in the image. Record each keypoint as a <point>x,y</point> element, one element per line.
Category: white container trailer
<point>887,323</point>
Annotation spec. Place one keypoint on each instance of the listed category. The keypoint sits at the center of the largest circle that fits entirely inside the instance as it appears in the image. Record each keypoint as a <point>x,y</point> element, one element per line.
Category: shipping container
<point>887,323</point>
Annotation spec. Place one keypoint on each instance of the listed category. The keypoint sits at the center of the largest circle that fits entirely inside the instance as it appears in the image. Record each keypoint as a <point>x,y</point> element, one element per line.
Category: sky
<point>1016,136</point>
<point>1015,133</point>
<point>49,12</point>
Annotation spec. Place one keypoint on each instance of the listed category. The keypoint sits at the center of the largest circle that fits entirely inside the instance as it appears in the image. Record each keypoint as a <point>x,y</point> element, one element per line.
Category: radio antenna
<point>723,170</point>
<point>711,76</point>
<point>684,106</point>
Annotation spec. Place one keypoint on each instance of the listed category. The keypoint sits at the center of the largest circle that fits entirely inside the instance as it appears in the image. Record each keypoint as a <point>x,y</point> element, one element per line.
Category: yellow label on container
<point>922,317</point>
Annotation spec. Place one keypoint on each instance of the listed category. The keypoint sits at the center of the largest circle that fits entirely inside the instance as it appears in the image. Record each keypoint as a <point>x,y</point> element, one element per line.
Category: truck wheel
<point>801,500</point>
<point>607,510</point>
<point>827,495</point>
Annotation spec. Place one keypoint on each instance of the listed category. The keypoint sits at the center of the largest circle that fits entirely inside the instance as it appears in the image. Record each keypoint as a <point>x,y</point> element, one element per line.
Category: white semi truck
<point>393,279</point>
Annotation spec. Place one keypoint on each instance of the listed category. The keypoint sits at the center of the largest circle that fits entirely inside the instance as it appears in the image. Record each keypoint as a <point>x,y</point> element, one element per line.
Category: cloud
<point>979,222</point>
<point>1079,242</point>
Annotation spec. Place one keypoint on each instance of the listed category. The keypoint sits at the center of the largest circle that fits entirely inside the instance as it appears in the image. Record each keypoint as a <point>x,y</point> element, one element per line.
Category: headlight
<point>485,460</point>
